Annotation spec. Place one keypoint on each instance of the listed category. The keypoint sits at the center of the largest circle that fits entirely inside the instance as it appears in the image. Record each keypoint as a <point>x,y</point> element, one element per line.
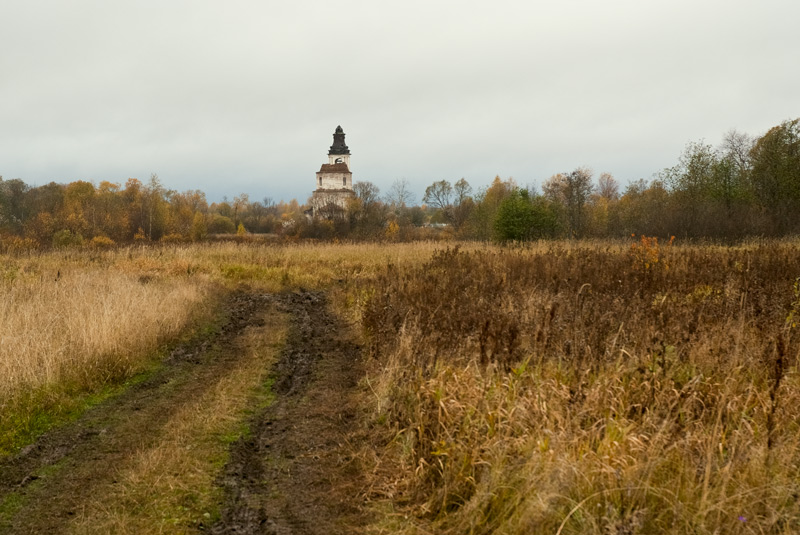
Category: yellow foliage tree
<point>199,228</point>
<point>392,230</point>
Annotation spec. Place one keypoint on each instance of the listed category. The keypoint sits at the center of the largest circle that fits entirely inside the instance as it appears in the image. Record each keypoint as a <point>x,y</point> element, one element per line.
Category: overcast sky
<point>243,96</point>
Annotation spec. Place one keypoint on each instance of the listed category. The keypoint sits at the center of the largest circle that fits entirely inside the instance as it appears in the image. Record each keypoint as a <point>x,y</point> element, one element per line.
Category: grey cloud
<point>244,96</point>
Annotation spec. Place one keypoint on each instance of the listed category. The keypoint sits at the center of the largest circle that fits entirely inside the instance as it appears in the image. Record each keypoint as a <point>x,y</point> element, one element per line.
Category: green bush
<point>524,217</point>
<point>65,238</point>
<point>219,224</point>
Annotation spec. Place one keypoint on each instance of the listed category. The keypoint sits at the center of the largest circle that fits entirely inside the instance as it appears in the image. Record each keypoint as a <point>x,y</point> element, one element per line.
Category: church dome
<point>339,146</point>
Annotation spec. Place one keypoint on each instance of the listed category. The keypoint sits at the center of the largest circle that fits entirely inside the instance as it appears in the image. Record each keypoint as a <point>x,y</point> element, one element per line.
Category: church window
<point>339,160</point>
<point>344,181</point>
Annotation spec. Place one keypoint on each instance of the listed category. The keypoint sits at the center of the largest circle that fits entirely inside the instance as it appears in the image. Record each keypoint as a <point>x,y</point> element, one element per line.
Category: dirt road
<point>293,472</point>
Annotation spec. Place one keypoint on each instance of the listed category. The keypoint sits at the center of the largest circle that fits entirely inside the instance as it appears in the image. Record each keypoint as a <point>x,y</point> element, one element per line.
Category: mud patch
<point>295,472</point>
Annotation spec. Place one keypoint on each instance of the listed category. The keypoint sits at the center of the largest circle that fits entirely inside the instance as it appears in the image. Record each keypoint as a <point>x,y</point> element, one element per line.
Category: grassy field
<point>563,387</point>
<point>75,325</point>
<point>589,388</point>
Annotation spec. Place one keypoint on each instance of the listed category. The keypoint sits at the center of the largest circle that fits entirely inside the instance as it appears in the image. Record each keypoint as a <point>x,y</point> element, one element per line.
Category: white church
<point>334,181</point>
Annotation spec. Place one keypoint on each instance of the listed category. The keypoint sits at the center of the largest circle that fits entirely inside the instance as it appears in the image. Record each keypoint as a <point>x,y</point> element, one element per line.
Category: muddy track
<point>291,475</point>
<point>295,474</point>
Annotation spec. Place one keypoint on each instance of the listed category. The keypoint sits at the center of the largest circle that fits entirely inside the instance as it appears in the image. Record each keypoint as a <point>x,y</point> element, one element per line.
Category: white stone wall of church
<point>334,181</point>
<point>321,199</point>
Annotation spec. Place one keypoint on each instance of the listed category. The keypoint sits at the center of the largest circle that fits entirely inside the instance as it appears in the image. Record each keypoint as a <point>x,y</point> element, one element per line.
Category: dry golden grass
<point>73,323</point>
<point>589,389</point>
<point>66,329</point>
<point>70,327</point>
<point>565,387</point>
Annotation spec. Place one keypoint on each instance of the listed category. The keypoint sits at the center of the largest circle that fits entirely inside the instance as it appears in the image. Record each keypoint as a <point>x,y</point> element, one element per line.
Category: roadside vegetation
<point>76,325</point>
<point>588,388</point>
<point>629,386</point>
<point>73,327</point>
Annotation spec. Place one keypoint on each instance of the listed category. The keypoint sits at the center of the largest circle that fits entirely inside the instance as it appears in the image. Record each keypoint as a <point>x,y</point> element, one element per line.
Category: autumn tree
<point>737,146</point>
<point>398,204</point>
<point>220,224</point>
<point>261,216</point>
<point>13,211</point>
<point>642,209</point>
<point>366,213</point>
<point>79,215</point>
<point>241,203</point>
<point>607,187</point>
<point>41,227</point>
<point>134,195</point>
<point>438,195</point>
<point>155,208</point>
<point>775,174</point>
<point>223,208</point>
<point>453,201</point>
<point>486,204</point>
<point>572,192</point>
<point>400,194</point>
<point>708,190</point>
<point>44,205</point>
<point>199,227</point>
<point>602,214</point>
<point>112,215</point>
<point>463,203</point>
<point>735,153</point>
<point>183,207</point>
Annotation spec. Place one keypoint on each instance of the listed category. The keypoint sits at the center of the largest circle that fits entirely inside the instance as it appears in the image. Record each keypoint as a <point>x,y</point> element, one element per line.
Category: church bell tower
<point>334,181</point>
<point>339,153</point>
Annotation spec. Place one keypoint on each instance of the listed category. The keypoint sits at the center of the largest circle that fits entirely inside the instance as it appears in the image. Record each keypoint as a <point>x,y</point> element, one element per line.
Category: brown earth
<point>293,473</point>
<point>296,473</point>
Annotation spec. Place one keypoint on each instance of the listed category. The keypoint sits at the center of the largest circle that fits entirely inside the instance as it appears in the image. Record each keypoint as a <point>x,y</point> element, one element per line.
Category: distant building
<point>334,181</point>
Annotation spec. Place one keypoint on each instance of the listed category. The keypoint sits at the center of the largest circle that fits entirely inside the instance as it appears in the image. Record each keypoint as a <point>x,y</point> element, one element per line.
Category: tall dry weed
<point>578,390</point>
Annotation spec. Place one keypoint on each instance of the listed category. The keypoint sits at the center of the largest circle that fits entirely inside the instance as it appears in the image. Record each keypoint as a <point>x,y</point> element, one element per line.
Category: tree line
<point>746,186</point>
<point>743,187</point>
<point>80,213</point>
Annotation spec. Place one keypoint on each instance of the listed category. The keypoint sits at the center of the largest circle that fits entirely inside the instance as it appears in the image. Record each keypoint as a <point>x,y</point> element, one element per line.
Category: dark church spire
<point>338,146</point>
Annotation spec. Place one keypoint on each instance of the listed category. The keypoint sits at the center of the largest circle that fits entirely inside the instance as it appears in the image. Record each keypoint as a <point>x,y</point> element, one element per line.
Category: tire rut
<point>295,473</point>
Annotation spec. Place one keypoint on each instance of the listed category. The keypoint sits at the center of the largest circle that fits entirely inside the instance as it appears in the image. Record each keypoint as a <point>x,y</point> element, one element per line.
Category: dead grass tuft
<point>582,389</point>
